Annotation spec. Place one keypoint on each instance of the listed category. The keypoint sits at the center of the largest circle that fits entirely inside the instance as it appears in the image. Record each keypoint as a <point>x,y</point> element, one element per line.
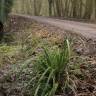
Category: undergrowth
<point>53,73</point>
<point>39,67</point>
<point>46,74</point>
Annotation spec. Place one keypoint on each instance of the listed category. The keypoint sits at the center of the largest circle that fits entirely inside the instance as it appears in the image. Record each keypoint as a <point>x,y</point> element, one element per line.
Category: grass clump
<point>51,73</point>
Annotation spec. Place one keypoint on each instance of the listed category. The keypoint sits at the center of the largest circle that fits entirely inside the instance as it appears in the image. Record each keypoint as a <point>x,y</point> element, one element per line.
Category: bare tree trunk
<point>93,15</point>
<point>50,7</point>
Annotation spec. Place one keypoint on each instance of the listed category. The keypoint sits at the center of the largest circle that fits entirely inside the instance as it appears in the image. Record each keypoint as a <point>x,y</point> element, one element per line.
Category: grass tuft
<point>51,72</point>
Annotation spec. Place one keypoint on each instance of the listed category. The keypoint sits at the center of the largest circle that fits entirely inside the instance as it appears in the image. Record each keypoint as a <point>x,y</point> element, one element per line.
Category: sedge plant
<point>51,72</point>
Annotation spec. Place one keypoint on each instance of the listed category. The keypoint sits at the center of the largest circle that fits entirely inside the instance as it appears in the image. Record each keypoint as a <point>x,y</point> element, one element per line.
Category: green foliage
<point>5,7</point>
<point>6,49</point>
<point>8,54</point>
<point>50,74</point>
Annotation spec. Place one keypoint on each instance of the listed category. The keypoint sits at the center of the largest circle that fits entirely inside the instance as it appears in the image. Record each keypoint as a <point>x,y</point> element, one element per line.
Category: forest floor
<point>85,29</point>
<point>50,32</point>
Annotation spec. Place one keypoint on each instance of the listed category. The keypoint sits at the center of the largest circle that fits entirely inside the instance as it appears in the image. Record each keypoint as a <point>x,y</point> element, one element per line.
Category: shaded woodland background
<point>82,9</point>
<point>5,8</point>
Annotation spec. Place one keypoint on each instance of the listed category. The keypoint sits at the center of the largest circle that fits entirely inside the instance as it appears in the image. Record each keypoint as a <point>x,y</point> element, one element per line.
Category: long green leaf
<point>47,83</point>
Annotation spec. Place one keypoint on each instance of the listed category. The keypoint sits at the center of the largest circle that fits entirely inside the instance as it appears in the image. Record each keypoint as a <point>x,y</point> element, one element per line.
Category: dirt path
<point>85,29</point>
